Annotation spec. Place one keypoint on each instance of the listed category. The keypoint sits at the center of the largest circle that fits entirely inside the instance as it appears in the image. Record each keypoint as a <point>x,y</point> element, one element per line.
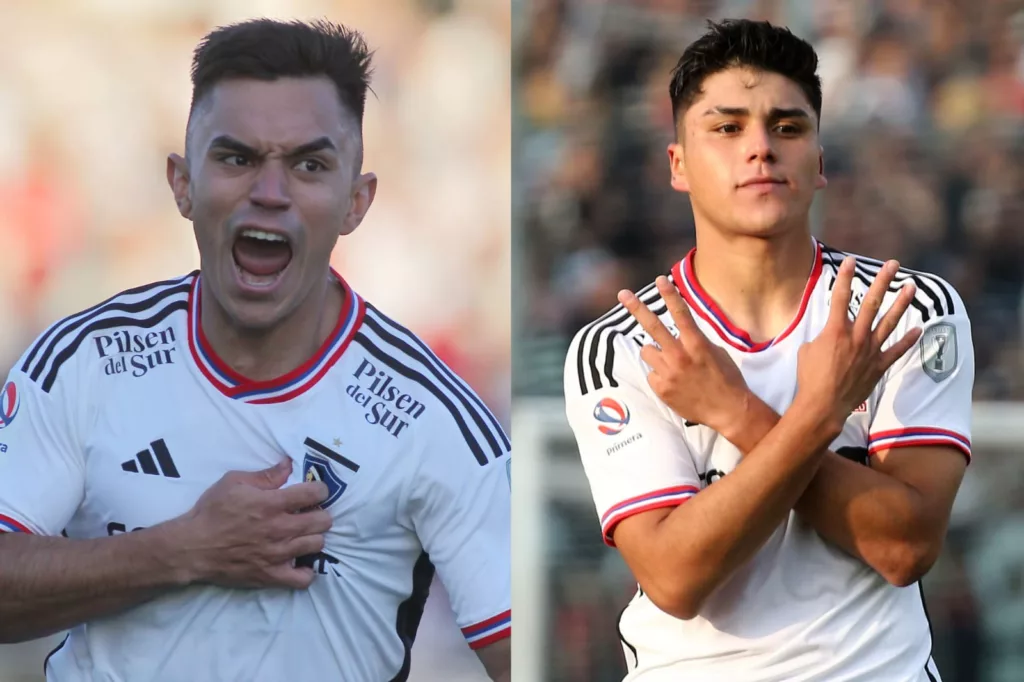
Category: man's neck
<point>277,351</point>
<point>758,283</point>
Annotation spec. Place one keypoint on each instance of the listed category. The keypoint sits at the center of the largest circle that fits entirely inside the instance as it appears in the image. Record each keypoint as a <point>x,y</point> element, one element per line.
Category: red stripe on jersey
<point>16,524</point>
<point>706,307</point>
<point>917,442</point>
<point>243,387</point>
<point>918,431</point>
<point>491,639</point>
<point>619,517</point>
<point>484,624</point>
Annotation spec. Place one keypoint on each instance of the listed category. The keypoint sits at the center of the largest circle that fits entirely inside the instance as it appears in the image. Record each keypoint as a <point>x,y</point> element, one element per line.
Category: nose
<point>270,187</point>
<point>759,144</point>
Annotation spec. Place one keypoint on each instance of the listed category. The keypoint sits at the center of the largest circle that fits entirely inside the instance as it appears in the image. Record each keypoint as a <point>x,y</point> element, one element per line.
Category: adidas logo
<point>144,460</point>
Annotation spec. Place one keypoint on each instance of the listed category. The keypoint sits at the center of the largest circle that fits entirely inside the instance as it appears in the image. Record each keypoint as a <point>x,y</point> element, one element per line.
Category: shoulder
<point>449,411</point>
<point>600,350</point>
<point>935,300</point>
<point>78,339</point>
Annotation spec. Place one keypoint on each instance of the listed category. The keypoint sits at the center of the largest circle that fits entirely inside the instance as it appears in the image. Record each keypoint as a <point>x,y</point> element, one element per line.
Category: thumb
<point>267,479</point>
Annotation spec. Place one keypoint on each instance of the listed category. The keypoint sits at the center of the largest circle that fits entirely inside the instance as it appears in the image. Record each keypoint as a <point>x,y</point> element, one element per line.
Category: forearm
<point>702,542</point>
<point>870,515</point>
<point>48,584</point>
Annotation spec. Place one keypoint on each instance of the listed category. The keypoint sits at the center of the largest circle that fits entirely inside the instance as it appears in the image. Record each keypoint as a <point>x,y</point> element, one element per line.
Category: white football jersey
<point>121,416</point>
<point>802,609</point>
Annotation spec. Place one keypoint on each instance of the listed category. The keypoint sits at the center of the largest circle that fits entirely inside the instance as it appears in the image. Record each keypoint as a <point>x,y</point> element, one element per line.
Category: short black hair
<point>266,49</point>
<point>757,45</point>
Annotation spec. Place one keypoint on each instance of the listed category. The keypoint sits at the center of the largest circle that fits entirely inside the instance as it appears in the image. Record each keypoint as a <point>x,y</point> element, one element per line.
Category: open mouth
<point>260,257</point>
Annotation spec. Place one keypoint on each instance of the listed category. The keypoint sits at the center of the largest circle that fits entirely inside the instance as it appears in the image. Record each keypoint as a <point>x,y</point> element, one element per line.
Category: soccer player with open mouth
<point>249,472</point>
<point>774,430</point>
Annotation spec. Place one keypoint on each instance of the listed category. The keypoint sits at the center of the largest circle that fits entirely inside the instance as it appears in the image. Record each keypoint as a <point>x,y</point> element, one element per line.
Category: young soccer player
<point>775,432</point>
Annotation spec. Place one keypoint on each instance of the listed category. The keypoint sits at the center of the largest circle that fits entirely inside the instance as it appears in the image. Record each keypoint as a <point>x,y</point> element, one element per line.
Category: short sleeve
<point>42,475</point>
<point>461,510</point>
<point>926,397</point>
<point>632,446</point>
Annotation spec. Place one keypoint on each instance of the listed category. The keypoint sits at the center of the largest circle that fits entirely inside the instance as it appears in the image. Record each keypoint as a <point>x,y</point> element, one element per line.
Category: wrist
<point>751,422</point>
<point>167,544</point>
<point>819,416</point>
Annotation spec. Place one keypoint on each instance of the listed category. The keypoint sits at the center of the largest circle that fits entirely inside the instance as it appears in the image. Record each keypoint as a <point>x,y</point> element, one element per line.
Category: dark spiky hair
<point>757,45</point>
<point>266,49</point>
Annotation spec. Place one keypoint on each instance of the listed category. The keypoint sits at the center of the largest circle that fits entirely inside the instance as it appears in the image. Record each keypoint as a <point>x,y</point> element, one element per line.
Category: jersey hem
<point>918,436</point>
<point>657,499</point>
<point>489,631</point>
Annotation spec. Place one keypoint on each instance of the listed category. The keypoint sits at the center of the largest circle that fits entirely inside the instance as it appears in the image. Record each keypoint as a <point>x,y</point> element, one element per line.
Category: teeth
<point>265,236</point>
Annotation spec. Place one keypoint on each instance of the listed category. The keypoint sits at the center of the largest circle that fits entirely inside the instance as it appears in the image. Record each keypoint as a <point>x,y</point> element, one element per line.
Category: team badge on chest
<point>320,464</point>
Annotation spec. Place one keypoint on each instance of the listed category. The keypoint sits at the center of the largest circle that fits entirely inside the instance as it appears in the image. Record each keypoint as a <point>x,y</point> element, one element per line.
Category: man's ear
<point>677,168</point>
<point>364,189</point>
<point>179,181</point>
<point>821,182</point>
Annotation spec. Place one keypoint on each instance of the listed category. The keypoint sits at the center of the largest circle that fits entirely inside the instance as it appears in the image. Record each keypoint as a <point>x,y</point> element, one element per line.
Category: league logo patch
<point>939,351</point>
<point>10,401</point>
<point>317,468</point>
<point>611,415</point>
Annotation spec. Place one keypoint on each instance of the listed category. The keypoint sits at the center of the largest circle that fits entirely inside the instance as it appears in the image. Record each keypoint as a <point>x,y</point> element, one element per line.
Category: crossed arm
<point>893,516</point>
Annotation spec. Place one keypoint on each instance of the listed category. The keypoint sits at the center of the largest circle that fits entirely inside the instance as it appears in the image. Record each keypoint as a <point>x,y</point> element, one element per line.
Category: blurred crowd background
<point>923,130</point>
<point>95,93</point>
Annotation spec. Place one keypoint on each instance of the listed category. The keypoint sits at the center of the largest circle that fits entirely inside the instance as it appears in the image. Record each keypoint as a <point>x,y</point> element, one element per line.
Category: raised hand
<point>694,377</point>
<point>839,369</point>
<point>246,530</point>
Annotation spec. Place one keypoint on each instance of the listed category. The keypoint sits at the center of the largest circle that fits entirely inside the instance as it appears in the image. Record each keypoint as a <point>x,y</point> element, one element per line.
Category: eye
<point>233,160</point>
<point>728,128</point>
<point>310,166</point>
<point>788,129</point>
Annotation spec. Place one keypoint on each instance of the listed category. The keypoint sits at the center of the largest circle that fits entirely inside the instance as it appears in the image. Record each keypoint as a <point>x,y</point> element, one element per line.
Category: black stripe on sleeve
<point>605,328</point>
<point>107,323</point>
<point>76,320</point>
<point>413,375</point>
<point>477,410</point>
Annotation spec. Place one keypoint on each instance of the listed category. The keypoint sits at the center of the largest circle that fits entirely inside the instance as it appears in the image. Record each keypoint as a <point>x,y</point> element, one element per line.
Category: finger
<point>303,546</point>
<point>900,348</point>
<point>679,310</point>
<point>307,523</point>
<point>294,577</point>
<point>842,290</point>
<point>872,302</point>
<point>653,357</point>
<point>647,319</point>
<point>892,317</point>
<point>301,496</point>
<point>265,479</point>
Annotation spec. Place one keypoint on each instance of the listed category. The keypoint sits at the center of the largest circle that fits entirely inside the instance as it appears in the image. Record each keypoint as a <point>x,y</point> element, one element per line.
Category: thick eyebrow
<point>229,143</point>
<point>775,114</point>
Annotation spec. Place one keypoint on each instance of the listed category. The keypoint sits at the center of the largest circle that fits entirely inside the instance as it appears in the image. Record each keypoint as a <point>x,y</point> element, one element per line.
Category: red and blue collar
<point>704,306</point>
<point>294,383</point>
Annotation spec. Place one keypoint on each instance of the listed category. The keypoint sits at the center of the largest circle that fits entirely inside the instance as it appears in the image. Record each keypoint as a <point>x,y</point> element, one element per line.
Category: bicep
<point>933,472</point>
<point>497,659</point>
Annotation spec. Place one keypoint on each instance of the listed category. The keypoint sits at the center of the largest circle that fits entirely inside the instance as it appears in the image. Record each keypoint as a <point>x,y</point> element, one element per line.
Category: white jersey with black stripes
<point>801,610</point>
<point>121,416</point>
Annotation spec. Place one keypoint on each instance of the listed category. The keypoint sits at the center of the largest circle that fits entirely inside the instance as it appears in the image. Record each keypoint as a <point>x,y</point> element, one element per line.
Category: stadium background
<point>922,128</point>
<point>95,93</point>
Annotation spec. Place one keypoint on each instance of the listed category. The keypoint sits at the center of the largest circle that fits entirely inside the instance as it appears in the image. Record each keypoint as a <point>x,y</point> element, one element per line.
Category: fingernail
<point>625,296</point>
<point>848,262</point>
